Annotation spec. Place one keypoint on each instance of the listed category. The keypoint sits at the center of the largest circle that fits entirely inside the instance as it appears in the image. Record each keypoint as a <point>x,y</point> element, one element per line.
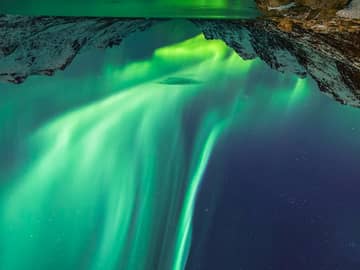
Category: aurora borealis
<point>102,166</point>
<point>136,208</point>
<point>142,8</point>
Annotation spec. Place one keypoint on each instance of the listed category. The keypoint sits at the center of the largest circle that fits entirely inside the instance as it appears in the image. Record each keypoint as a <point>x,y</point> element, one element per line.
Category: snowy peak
<point>43,45</point>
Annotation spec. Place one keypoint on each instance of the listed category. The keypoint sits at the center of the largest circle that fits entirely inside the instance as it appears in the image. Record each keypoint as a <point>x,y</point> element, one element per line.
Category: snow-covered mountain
<point>43,45</point>
<point>329,54</point>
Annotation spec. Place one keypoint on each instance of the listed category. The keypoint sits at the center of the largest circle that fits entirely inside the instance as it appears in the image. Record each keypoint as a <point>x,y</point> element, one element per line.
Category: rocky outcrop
<point>320,10</point>
<point>43,45</point>
<point>319,38</point>
<point>331,58</point>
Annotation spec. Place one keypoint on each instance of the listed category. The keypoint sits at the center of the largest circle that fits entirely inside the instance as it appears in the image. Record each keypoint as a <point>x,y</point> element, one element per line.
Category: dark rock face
<point>332,58</point>
<point>43,45</point>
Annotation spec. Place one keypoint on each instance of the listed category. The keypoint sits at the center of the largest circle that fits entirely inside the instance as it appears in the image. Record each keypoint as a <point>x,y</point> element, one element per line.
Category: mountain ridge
<point>330,54</point>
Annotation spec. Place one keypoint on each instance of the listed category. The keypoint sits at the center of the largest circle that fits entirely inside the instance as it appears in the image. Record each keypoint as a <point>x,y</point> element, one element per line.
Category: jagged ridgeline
<point>328,51</point>
<point>126,8</point>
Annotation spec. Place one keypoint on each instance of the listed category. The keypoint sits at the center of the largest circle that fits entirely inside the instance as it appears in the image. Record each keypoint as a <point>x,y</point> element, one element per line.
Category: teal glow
<point>124,8</point>
<point>113,184</point>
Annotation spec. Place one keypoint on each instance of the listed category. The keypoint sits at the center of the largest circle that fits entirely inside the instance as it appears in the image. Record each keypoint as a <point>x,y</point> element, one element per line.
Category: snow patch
<point>352,11</point>
<point>283,7</point>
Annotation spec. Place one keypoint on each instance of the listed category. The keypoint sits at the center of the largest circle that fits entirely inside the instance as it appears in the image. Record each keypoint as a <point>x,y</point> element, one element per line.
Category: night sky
<point>284,192</point>
<point>265,163</point>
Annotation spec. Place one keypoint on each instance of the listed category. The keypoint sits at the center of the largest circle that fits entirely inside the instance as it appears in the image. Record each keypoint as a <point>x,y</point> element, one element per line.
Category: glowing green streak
<point>299,92</point>
<point>189,203</point>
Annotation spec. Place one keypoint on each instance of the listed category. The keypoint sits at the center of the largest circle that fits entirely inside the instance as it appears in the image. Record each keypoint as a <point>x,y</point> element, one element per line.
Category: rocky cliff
<point>331,58</point>
<point>43,45</point>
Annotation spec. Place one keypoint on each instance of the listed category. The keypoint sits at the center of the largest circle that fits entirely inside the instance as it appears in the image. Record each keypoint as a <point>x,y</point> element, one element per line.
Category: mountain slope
<point>43,45</point>
<point>331,58</point>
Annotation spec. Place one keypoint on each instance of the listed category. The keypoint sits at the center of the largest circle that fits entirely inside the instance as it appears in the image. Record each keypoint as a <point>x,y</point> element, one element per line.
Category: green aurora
<point>125,8</point>
<point>112,185</point>
<point>111,182</point>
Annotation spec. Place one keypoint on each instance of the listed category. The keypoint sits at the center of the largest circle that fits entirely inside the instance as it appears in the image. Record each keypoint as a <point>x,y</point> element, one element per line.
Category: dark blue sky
<point>283,193</point>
